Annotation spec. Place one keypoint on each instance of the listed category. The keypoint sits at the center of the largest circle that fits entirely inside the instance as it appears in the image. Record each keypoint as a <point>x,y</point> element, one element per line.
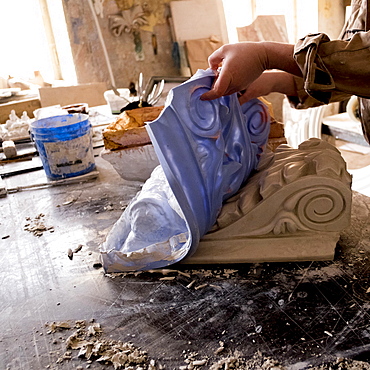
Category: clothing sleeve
<point>331,70</point>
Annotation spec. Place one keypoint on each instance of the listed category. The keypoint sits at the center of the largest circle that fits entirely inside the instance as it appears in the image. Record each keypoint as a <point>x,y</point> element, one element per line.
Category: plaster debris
<point>72,252</point>
<point>190,284</point>
<point>192,362</point>
<point>57,326</point>
<point>215,286</point>
<point>236,361</point>
<point>220,349</point>
<point>343,364</point>
<point>69,201</point>
<point>199,362</point>
<point>9,149</point>
<point>93,347</point>
<point>94,329</point>
<point>200,286</point>
<point>37,226</point>
<point>77,249</point>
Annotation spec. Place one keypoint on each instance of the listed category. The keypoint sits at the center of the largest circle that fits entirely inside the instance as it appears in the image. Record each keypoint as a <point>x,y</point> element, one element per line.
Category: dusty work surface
<point>255,316</point>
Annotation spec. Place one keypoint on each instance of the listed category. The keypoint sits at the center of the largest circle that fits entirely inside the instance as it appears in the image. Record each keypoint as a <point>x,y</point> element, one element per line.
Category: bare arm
<point>270,81</point>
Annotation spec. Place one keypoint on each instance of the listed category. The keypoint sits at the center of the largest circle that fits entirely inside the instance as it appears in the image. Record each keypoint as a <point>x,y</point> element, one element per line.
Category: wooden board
<point>265,28</point>
<point>28,105</point>
<point>92,94</point>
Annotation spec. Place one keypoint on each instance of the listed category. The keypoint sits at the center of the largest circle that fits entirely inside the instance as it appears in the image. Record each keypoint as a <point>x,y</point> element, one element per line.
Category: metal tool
<point>154,99</point>
<point>67,181</point>
<point>145,98</point>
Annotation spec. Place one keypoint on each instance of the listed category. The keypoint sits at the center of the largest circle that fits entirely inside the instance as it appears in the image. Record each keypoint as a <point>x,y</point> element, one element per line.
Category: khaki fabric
<point>334,70</point>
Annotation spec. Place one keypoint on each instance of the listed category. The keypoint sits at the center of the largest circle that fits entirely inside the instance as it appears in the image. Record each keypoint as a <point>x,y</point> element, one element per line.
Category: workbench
<point>291,314</point>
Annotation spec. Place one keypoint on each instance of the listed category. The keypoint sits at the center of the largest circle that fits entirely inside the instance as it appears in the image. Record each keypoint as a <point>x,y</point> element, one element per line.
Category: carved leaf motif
<point>272,182</point>
<point>330,168</point>
<point>285,225</point>
<point>129,21</point>
<point>294,171</point>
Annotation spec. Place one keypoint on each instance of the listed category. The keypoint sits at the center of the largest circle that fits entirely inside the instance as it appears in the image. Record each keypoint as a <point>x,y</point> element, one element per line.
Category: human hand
<point>242,63</point>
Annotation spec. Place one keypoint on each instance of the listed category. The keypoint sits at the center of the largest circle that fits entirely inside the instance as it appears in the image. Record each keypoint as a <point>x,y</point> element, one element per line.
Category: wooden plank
<point>92,94</point>
<point>265,28</point>
<point>28,105</point>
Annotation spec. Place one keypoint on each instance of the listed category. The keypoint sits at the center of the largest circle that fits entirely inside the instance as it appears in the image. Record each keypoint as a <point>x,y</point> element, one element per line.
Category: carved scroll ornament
<point>304,189</point>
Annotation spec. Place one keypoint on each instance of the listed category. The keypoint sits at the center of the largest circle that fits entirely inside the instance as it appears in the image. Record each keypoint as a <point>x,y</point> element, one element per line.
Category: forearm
<point>280,56</point>
<point>270,81</point>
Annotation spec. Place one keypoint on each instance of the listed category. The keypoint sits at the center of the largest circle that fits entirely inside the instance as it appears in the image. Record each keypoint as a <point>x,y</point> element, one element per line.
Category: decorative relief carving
<point>304,189</point>
<point>128,21</point>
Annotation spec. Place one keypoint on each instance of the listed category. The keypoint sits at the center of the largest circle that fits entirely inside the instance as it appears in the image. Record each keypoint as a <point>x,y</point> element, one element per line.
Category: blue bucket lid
<point>68,122</point>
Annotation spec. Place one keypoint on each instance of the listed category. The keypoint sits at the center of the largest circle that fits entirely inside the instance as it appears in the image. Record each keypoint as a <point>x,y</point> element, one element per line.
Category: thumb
<point>220,87</point>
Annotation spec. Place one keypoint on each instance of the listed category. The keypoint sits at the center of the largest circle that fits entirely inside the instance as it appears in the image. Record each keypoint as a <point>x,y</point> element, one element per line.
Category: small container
<point>77,108</point>
<point>64,144</point>
<point>116,103</point>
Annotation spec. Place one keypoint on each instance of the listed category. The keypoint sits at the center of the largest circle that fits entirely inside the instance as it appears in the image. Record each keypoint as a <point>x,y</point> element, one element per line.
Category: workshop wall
<point>137,36</point>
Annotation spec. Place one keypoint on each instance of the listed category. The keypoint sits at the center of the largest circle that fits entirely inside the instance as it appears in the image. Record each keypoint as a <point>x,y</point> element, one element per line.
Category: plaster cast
<point>291,209</point>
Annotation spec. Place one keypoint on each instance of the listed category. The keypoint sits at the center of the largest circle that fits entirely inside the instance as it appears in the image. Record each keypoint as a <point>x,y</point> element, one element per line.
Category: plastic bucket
<point>64,144</point>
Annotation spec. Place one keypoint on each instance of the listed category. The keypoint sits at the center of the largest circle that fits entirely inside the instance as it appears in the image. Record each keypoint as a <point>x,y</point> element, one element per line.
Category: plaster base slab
<point>304,247</point>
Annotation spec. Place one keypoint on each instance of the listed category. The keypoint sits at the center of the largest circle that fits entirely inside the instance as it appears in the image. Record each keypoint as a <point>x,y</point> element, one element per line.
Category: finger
<point>243,98</point>
<point>220,87</point>
<point>215,59</point>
